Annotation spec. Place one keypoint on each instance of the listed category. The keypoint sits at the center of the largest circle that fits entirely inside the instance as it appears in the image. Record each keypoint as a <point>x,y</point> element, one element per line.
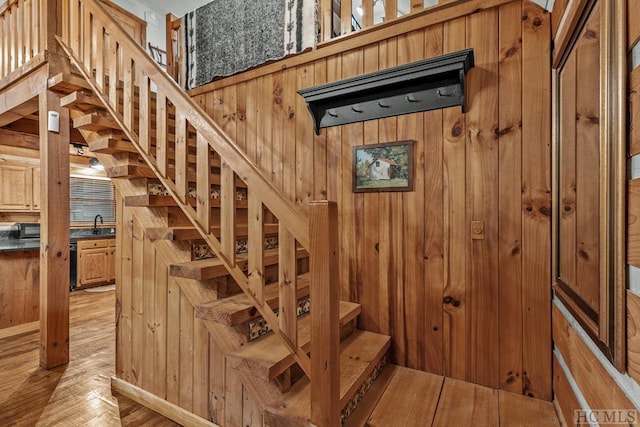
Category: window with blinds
<point>91,197</point>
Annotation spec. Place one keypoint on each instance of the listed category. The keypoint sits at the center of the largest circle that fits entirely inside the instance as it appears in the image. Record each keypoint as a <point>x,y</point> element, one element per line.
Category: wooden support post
<point>325,316</point>
<point>54,235</point>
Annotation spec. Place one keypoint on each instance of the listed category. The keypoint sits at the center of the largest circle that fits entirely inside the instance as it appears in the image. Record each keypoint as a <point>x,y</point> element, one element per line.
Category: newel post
<point>51,24</point>
<point>325,316</point>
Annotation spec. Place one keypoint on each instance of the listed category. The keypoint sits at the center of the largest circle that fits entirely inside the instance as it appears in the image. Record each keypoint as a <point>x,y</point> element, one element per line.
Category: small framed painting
<point>383,167</point>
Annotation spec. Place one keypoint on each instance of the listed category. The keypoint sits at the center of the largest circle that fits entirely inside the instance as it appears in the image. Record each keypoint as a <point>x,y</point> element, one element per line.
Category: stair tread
<point>211,268</point>
<point>95,122</point>
<point>358,356</point>
<point>268,357</point>
<point>237,309</point>
<point>65,83</point>
<point>144,200</point>
<point>190,233</point>
<point>162,200</point>
<point>81,100</point>
<point>131,171</point>
<point>111,146</point>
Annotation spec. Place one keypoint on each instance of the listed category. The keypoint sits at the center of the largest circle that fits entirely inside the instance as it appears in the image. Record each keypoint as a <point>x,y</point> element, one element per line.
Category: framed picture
<point>383,167</point>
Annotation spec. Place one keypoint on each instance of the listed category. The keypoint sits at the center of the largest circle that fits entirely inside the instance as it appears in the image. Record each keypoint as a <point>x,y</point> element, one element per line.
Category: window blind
<point>91,197</point>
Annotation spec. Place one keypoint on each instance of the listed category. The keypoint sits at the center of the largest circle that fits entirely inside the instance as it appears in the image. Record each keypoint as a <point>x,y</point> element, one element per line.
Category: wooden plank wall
<point>19,288</point>
<point>477,310</point>
<point>161,347</point>
<point>160,344</point>
<point>589,373</point>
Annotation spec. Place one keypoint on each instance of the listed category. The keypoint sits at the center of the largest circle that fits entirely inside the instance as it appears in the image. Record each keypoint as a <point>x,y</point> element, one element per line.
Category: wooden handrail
<point>7,5</point>
<point>122,74</point>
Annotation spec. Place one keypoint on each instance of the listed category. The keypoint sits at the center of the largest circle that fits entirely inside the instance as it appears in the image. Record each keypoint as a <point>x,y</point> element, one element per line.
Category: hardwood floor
<point>405,397</point>
<point>79,393</point>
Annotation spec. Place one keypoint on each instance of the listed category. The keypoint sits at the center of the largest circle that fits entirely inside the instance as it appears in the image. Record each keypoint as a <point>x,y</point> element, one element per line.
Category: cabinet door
<point>112,261</point>
<point>93,266</point>
<point>15,187</point>
<point>35,205</point>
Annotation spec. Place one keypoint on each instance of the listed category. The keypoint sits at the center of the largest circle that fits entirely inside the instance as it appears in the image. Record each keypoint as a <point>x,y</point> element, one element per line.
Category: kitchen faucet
<point>95,224</point>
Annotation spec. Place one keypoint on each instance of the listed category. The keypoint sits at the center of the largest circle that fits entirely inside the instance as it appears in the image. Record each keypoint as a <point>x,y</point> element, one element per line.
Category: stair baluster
<point>203,190</point>
<point>256,250</point>
<point>228,214</point>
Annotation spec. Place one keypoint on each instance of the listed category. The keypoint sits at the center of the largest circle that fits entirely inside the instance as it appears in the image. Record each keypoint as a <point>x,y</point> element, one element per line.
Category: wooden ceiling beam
<point>19,139</point>
<point>24,91</point>
<point>17,113</point>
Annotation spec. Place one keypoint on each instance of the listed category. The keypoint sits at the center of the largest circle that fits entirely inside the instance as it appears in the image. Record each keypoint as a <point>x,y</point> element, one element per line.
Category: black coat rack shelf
<point>420,86</point>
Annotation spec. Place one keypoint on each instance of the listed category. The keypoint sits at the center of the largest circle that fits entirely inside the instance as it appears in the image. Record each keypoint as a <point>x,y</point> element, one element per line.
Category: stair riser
<point>293,374</point>
<point>243,364</point>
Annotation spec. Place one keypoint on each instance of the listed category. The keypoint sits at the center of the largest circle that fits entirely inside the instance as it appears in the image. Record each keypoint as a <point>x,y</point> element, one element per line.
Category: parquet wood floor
<point>79,393</point>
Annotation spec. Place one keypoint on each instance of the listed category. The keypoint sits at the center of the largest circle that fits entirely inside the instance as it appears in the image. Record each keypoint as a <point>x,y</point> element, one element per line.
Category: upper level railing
<point>338,18</point>
<point>341,17</point>
<point>23,32</point>
<point>184,147</point>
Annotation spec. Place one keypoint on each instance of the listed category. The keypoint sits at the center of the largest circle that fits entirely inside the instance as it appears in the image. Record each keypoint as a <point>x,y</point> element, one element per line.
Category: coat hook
<point>332,113</point>
<point>410,98</point>
<point>443,94</point>
<point>356,109</point>
<point>381,105</point>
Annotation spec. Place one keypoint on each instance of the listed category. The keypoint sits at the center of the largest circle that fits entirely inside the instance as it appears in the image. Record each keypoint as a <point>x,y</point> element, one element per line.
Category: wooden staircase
<point>273,267</point>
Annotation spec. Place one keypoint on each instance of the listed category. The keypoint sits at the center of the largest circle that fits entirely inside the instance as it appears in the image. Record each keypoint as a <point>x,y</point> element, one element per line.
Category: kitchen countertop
<point>17,245</point>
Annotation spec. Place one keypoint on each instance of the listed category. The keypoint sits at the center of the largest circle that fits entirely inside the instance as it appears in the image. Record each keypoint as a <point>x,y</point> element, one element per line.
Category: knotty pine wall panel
<point>472,309</point>
<point>509,191</point>
<point>536,201</point>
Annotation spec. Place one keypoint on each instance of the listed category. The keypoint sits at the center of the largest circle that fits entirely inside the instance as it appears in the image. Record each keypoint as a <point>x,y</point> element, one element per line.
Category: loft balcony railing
<point>23,37</point>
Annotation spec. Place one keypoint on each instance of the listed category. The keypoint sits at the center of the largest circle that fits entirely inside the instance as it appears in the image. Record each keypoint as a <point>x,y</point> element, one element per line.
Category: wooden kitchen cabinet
<point>19,187</point>
<point>96,262</point>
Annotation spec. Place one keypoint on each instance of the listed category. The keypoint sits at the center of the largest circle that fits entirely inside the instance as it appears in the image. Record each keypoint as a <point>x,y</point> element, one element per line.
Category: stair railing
<point>23,33</point>
<point>184,147</point>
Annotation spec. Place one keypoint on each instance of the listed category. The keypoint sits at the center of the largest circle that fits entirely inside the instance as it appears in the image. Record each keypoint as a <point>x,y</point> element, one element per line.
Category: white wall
<point>154,13</point>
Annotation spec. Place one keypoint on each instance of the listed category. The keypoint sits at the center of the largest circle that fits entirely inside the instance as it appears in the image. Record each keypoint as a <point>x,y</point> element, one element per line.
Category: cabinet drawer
<point>93,244</point>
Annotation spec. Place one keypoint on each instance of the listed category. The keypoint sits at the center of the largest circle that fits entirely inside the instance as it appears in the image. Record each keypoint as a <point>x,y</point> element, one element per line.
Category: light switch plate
<point>477,230</point>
